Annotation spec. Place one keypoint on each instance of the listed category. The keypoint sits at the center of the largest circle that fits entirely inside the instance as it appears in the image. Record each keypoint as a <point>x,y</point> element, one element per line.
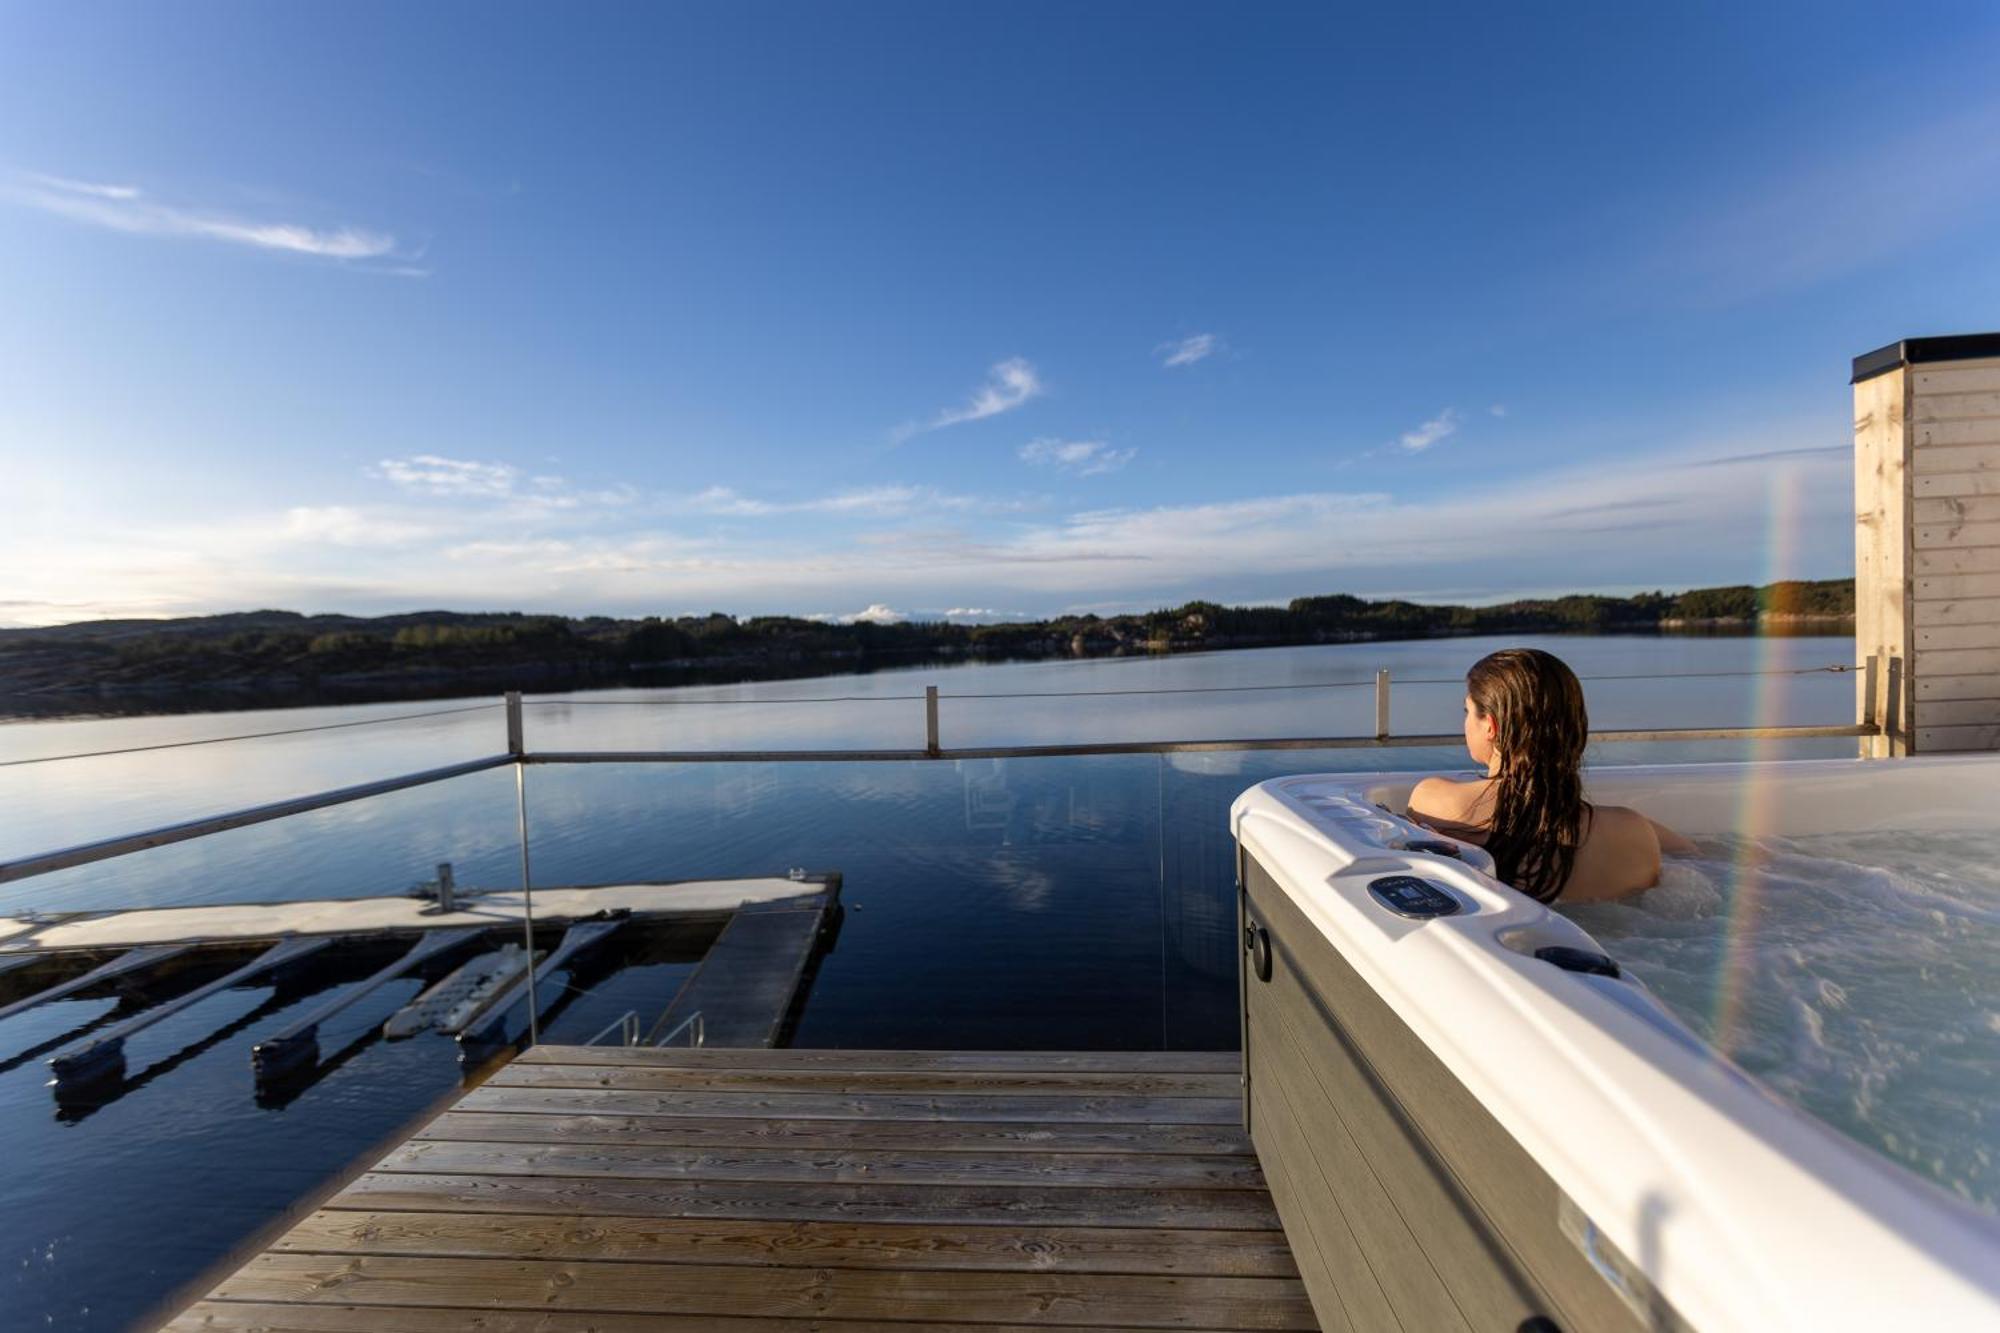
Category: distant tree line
<point>285,646</point>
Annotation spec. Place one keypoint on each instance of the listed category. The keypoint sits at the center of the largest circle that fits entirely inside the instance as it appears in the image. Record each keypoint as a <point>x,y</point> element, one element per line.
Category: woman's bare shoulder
<point>1446,798</point>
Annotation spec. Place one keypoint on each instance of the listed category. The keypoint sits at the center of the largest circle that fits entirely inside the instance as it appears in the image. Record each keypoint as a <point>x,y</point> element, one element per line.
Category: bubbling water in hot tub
<point>1856,975</point>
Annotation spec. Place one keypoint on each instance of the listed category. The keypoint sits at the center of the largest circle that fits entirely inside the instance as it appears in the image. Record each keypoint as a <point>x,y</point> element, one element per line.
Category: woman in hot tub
<point>1525,723</point>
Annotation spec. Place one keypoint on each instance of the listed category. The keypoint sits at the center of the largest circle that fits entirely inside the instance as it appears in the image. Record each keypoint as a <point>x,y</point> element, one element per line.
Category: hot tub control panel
<point>1418,899</point>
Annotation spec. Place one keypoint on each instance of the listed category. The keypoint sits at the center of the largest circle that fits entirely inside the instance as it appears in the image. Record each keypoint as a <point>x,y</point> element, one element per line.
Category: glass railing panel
<point>178,1115</point>
<point>178,767</point>
<point>1007,904</point>
<point>366,848</point>
<point>883,711</point>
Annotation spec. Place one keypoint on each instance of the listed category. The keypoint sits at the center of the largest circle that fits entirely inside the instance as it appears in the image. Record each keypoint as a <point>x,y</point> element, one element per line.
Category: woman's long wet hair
<point>1539,814</point>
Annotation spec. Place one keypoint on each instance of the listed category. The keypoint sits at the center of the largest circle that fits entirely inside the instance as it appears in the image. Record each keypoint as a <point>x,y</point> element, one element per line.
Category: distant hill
<point>251,657</point>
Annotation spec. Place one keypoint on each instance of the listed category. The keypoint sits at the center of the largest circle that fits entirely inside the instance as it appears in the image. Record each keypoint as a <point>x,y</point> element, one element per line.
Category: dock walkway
<point>638,1190</point>
<point>226,923</point>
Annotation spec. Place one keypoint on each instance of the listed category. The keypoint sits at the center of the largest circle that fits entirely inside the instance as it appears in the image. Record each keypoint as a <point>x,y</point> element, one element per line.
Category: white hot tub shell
<point>1461,1133</point>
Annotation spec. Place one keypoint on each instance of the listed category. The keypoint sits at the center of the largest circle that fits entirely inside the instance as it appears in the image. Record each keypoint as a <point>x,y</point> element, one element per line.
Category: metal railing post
<point>1893,724</point>
<point>931,721</point>
<point>1871,671</point>
<point>1382,704</point>
<point>527,900</point>
<point>515,744</point>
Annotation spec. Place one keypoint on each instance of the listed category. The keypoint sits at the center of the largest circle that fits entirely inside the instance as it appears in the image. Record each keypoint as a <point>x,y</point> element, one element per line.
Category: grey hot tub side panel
<point>1406,1203</point>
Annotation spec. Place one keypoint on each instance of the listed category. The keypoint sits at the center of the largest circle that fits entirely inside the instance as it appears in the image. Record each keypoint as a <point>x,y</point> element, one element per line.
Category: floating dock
<point>746,990</point>
<point>244,922</point>
<point>603,1188</point>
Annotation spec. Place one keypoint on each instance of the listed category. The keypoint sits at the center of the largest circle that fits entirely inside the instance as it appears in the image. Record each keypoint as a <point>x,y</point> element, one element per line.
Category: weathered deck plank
<point>861,1106</point>
<point>1132,1250</point>
<point>778,1165</point>
<point>982,1082</point>
<point>1008,1205</point>
<point>264,1317</point>
<point>552,1125</point>
<point>795,1061</point>
<point>751,1192</point>
<point>1034,1299</point>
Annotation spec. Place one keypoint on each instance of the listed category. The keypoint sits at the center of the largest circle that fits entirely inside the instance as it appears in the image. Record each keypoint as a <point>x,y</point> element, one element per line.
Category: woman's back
<point>1617,852</point>
<point>1526,725</point>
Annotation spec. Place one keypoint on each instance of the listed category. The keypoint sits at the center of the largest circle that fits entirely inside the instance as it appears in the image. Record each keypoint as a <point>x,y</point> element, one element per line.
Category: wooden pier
<point>644,1190</point>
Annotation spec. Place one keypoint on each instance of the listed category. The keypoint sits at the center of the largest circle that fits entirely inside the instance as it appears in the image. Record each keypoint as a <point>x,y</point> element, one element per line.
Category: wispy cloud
<point>1187,351</point>
<point>866,502</point>
<point>63,183</point>
<point>431,474</point>
<point>126,208</point>
<point>1008,385</point>
<point>471,479</point>
<point>1439,427</point>
<point>1498,409</point>
<point>1085,458</point>
<point>343,525</point>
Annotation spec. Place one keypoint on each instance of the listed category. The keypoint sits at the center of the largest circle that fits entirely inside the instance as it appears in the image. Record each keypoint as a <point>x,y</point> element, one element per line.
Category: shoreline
<point>422,683</point>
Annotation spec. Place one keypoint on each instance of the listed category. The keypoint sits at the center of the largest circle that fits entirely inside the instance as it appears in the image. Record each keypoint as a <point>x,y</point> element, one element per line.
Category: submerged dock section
<point>592,1188</point>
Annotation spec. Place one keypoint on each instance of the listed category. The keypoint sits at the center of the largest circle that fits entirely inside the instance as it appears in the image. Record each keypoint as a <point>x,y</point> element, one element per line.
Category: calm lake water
<point>1041,903</point>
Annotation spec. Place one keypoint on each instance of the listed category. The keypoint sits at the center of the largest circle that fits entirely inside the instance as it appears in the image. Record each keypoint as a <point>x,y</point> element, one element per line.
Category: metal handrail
<point>519,756</point>
<point>693,1020</point>
<point>626,1025</point>
<point>106,848</point>
<point>1082,748</point>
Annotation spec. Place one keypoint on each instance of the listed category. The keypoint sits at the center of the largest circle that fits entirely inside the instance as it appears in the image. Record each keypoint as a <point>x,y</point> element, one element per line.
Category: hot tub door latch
<point>1257,943</point>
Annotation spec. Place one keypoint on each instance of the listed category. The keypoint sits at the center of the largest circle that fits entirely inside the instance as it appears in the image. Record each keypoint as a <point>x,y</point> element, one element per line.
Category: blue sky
<point>982,309</point>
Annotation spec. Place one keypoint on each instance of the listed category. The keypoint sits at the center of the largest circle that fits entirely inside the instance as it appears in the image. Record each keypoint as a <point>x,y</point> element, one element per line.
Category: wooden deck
<point>629,1191</point>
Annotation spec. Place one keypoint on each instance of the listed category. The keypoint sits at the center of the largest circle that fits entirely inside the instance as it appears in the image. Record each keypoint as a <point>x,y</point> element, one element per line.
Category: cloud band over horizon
<point>595,548</point>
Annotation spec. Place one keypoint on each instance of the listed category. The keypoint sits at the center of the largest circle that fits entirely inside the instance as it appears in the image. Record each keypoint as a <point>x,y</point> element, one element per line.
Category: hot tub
<point>1473,1116</point>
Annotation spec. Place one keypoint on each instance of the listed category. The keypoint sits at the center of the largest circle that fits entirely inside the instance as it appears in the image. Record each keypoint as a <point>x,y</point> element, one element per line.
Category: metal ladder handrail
<point>627,1024</point>
<point>693,1020</point>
